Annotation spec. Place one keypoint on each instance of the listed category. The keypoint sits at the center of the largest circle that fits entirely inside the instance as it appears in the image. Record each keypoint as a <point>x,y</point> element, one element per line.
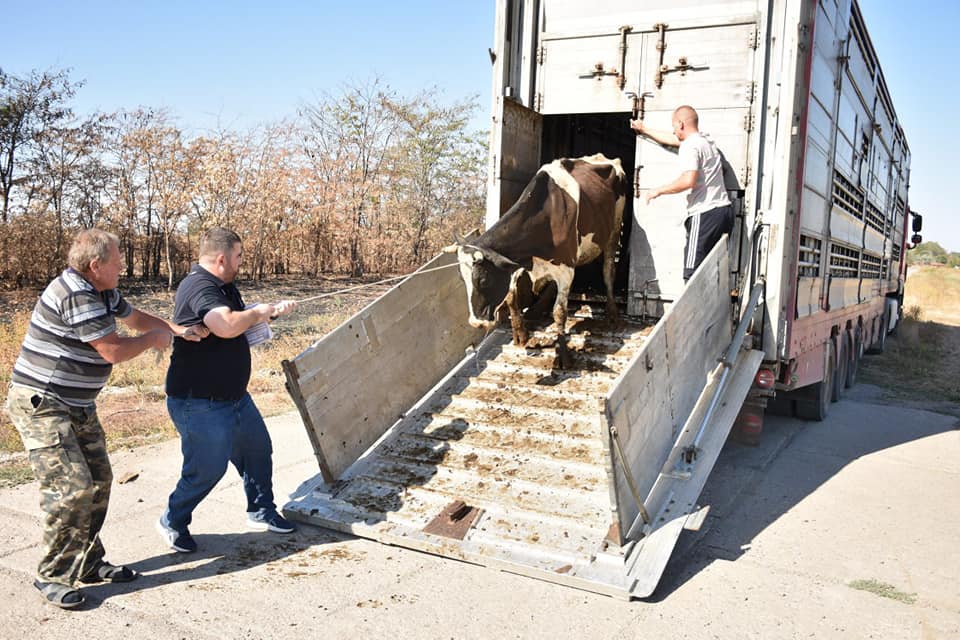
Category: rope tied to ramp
<point>336,293</point>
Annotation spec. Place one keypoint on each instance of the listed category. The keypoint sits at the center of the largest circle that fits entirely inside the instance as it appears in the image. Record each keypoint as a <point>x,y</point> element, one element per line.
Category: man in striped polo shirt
<point>67,354</point>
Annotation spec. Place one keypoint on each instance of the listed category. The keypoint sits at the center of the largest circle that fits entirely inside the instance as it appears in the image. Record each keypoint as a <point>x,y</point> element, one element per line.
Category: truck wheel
<point>816,402</point>
<point>840,377</point>
<point>880,340</point>
<point>856,353</point>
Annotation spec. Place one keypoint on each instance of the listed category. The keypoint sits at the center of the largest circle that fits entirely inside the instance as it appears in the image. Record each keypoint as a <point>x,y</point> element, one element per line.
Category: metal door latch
<point>598,72</point>
<point>682,66</point>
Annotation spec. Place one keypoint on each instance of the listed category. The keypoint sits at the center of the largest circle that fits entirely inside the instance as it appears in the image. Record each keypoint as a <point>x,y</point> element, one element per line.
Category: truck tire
<point>880,341</point>
<point>815,404</point>
<point>856,354</point>
<point>840,374</point>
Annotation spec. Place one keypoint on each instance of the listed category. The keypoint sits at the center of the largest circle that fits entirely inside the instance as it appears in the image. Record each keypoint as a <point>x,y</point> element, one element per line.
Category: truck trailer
<point>431,435</point>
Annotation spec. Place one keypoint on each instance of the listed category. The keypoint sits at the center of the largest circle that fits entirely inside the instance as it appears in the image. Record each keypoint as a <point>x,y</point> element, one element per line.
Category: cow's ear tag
<point>477,256</point>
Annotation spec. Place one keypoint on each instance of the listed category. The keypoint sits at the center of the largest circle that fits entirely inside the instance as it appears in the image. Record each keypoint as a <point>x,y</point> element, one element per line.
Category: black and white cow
<point>568,215</point>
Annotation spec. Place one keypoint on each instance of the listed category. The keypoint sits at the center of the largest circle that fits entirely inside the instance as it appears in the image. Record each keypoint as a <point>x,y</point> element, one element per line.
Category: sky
<point>239,64</point>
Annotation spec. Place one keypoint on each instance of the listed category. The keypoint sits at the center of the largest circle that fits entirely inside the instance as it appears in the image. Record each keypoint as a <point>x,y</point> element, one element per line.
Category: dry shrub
<point>146,373</point>
<point>132,417</point>
<point>12,331</point>
<point>13,473</point>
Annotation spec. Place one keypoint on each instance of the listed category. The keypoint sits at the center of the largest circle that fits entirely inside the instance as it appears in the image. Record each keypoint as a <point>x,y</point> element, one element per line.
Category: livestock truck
<point>431,435</point>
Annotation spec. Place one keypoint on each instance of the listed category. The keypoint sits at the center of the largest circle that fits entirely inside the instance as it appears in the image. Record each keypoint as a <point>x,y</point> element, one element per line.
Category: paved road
<point>871,494</point>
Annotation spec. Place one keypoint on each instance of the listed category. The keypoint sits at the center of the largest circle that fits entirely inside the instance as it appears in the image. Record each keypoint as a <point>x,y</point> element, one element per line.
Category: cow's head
<point>487,275</point>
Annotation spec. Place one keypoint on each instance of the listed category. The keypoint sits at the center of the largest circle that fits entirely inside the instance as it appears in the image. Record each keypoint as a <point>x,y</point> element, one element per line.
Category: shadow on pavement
<point>218,554</point>
<point>747,492</point>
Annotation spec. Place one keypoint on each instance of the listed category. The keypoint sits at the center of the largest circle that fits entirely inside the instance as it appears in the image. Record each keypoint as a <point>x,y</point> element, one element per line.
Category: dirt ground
<point>920,367</point>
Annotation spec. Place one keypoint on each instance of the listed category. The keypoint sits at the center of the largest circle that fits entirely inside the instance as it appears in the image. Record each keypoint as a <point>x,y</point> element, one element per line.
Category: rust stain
<point>454,521</point>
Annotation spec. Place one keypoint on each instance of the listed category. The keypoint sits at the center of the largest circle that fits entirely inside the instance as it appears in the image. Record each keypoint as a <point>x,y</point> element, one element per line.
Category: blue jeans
<point>213,433</point>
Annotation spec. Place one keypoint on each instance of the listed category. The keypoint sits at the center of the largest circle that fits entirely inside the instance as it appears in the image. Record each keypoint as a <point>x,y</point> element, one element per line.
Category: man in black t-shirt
<point>207,394</point>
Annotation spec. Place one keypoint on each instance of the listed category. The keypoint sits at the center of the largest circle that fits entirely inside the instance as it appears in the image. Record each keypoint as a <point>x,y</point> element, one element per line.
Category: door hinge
<point>803,37</point>
<point>541,54</point>
<point>636,181</point>
<point>751,92</point>
<point>745,174</point>
<point>748,122</point>
<point>753,38</point>
<point>538,102</point>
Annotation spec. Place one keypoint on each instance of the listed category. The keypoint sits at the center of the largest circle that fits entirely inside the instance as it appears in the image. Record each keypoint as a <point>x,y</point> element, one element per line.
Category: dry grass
<point>132,407</point>
<point>936,291</point>
<point>922,363</point>
<point>883,590</point>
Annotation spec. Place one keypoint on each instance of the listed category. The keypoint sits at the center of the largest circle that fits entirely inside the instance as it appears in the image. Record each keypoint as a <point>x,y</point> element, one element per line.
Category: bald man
<point>709,214</point>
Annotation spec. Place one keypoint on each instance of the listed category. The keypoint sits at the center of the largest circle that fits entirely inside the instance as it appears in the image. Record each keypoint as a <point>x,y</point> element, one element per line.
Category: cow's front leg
<point>564,281</point>
<point>518,326</point>
<point>609,272</point>
<point>564,360</point>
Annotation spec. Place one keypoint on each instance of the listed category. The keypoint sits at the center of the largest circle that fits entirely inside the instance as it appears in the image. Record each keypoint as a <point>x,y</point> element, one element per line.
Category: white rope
<point>373,284</point>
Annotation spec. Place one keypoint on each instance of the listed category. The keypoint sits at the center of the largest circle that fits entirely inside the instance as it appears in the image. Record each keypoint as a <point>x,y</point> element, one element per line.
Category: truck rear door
<point>711,67</point>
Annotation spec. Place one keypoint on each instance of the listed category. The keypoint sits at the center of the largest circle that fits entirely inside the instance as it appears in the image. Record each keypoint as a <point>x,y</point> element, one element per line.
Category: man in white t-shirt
<point>709,214</point>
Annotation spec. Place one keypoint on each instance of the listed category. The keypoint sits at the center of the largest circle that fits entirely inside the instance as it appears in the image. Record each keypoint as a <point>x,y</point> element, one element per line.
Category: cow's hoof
<point>539,342</point>
<point>563,361</point>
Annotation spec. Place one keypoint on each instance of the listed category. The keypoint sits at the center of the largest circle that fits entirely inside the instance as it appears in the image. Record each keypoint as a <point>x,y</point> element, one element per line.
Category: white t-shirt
<point>699,153</point>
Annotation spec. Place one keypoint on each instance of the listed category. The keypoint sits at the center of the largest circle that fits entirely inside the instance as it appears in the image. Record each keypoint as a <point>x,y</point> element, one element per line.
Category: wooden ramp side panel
<point>653,398</point>
<point>353,384</point>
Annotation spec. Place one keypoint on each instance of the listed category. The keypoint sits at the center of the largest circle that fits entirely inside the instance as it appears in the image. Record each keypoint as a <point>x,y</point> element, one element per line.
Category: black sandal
<point>106,572</point>
<point>60,595</point>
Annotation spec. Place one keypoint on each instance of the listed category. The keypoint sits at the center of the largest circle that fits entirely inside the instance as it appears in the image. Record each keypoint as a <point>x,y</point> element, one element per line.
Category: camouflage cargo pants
<point>68,454</point>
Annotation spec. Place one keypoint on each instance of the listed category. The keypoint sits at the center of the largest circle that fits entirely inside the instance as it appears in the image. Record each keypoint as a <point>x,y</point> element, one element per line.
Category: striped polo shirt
<point>56,357</point>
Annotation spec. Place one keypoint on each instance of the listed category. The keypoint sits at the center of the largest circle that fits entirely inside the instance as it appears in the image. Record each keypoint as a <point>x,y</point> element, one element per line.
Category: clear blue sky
<point>242,63</point>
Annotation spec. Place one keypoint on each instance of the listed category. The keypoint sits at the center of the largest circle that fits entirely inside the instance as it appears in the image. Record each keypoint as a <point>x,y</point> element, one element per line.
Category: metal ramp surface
<point>517,444</point>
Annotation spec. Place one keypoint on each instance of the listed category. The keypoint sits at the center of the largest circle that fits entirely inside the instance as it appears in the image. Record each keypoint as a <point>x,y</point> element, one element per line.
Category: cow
<point>568,215</point>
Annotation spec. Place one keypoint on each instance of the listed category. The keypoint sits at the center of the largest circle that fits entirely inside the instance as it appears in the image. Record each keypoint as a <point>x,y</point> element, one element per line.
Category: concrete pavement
<point>872,494</point>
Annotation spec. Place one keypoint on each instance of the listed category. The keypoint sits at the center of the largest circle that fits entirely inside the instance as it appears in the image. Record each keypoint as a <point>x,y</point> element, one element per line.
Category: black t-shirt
<point>217,368</point>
